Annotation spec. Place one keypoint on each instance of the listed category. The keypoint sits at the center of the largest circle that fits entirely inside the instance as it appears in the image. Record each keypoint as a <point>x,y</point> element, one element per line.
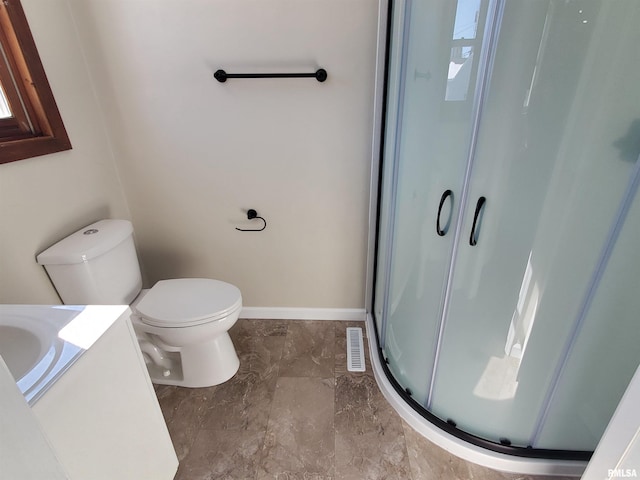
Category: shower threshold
<point>457,446</point>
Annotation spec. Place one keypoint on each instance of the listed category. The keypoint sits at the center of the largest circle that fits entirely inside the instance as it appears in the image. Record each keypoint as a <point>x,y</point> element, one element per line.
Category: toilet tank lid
<point>87,243</point>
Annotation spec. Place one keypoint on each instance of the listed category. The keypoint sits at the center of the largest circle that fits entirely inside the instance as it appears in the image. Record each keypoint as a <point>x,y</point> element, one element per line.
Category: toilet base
<point>201,365</point>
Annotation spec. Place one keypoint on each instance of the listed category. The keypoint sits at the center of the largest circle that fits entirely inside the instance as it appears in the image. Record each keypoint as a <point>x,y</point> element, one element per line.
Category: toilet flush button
<point>91,231</point>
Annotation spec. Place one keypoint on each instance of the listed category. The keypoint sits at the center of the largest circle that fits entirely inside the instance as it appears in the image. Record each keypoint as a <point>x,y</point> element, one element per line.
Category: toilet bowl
<point>181,324</point>
<point>182,327</point>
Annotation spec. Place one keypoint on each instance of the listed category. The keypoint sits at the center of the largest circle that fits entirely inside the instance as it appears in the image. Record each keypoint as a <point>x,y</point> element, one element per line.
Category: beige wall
<point>45,198</point>
<point>195,154</point>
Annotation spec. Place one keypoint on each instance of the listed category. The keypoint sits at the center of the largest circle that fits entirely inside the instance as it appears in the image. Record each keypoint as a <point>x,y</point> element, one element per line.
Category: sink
<point>31,346</point>
<point>24,343</point>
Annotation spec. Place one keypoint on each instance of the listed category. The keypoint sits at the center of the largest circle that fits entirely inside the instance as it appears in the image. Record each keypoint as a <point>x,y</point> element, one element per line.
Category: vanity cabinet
<point>102,416</point>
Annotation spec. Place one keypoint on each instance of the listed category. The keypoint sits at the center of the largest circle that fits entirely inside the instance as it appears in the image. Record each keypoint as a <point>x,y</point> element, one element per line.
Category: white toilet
<point>182,325</point>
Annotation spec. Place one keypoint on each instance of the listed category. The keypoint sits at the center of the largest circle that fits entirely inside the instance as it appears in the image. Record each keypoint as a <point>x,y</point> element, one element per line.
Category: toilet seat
<point>186,302</point>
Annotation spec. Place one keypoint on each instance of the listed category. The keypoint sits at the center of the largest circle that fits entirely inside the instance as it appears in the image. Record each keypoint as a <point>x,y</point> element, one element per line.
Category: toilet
<point>181,324</point>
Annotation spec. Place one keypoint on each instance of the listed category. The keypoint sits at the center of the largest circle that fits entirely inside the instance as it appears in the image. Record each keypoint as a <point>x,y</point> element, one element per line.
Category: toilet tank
<point>97,265</point>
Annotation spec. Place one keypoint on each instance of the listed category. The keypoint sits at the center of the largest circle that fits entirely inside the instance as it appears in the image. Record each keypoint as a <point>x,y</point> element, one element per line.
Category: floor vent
<point>355,350</point>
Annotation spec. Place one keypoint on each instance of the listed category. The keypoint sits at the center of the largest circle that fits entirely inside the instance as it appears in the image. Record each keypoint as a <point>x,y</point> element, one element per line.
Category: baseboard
<point>286,313</point>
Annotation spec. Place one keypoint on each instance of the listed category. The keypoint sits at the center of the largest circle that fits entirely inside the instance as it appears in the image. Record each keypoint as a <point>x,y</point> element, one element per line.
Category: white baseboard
<point>286,313</point>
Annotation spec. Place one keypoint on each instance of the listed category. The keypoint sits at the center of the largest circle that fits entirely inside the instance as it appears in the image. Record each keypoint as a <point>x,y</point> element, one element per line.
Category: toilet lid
<point>186,302</point>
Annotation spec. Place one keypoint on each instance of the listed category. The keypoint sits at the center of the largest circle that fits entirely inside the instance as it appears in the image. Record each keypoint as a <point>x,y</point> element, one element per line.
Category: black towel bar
<point>320,75</point>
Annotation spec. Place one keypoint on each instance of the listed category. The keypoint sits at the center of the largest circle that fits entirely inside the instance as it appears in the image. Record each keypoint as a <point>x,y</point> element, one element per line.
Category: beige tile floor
<point>293,411</point>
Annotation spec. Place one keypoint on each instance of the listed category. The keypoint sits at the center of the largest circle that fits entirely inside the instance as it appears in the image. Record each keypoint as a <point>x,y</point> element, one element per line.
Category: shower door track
<point>527,452</point>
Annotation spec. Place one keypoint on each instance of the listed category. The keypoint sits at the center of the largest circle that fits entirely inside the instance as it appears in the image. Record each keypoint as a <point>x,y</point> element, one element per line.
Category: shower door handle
<point>473,240</point>
<point>445,195</point>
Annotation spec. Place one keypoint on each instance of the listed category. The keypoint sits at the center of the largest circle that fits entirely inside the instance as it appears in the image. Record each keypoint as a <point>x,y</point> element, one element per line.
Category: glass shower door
<point>604,353</point>
<point>547,181</point>
<point>426,150</point>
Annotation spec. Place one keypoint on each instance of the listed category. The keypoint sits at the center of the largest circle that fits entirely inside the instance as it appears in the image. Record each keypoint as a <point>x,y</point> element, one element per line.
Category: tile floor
<point>293,411</point>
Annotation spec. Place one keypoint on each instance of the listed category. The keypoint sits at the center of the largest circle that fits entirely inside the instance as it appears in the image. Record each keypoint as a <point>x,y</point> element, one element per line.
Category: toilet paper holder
<point>251,214</point>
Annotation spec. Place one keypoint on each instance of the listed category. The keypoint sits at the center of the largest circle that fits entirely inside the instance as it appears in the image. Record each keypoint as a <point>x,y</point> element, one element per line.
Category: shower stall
<point>506,298</point>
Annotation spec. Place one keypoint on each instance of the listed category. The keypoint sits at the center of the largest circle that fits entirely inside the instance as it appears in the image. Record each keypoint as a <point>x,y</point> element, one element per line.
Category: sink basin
<point>24,343</point>
<point>31,345</point>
